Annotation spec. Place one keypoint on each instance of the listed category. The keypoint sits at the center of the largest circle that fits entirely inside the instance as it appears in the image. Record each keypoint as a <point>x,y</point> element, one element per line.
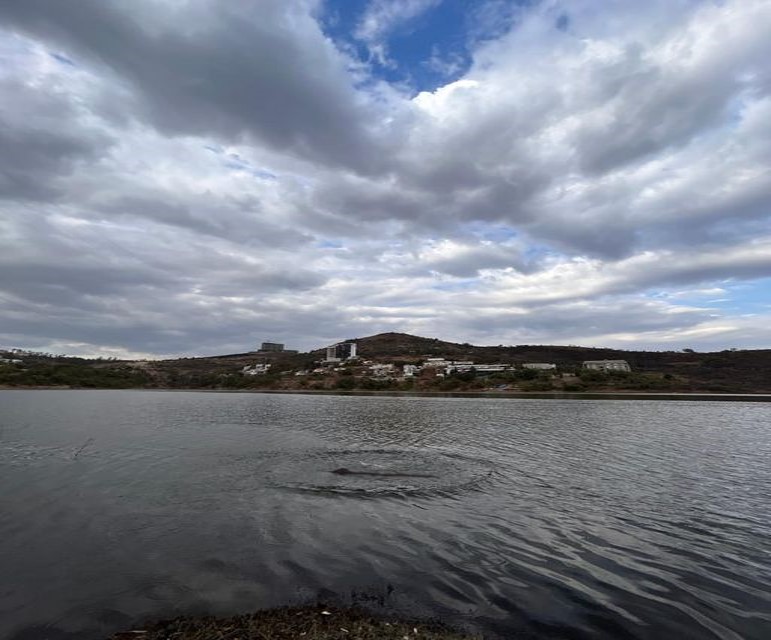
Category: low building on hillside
<point>491,368</point>
<point>607,365</point>
<point>410,370</point>
<point>464,366</point>
<point>459,366</point>
<point>541,366</point>
<point>256,369</point>
<point>382,370</point>
<point>436,363</point>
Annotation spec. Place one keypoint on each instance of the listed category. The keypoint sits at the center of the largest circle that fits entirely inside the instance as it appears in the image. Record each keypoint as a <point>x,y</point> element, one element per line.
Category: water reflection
<point>600,520</point>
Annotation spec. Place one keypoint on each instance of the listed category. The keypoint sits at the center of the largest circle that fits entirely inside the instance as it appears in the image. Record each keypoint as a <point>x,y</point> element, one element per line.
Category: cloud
<point>193,177</point>
<point>382,17</point>
<point>447,65</point>
<point>465,260</point>
<point>42,140</point>
<point>259,71</point>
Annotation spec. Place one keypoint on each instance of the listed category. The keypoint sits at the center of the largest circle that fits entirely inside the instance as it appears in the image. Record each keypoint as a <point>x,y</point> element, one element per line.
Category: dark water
<point>545,518</point>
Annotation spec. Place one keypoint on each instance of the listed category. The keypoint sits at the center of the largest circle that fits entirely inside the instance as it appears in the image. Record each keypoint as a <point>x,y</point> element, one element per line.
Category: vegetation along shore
<point>394,362</point>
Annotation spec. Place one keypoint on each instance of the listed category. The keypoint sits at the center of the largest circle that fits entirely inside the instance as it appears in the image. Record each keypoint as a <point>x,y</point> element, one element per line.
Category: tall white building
<point>341,351</point>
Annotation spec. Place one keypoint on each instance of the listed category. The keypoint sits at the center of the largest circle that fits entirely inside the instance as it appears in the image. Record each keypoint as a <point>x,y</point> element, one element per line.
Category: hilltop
<point>405,345</point>
<point>728,371</point>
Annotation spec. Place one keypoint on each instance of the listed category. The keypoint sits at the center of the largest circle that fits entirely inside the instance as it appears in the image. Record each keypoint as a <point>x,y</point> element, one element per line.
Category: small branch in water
<point>82,447</point>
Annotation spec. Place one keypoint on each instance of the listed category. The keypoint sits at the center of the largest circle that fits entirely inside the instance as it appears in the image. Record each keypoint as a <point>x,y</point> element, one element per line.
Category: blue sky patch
<point>428,50</point>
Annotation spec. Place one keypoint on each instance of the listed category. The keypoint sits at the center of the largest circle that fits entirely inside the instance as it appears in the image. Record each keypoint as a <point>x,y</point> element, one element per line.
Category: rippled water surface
<point>544,518</point>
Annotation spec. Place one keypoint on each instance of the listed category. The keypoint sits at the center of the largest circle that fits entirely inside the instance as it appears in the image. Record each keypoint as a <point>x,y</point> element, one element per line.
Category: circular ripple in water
<point>376,471</point>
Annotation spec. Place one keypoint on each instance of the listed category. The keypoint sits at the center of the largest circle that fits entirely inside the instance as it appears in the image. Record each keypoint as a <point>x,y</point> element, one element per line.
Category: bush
<point>449,384</point>
<point>466,376</point>
<point>590,376</point>
<point>371,384</point>
<point>348,383</point>
<point>75,375</point>
<point>537,385</point>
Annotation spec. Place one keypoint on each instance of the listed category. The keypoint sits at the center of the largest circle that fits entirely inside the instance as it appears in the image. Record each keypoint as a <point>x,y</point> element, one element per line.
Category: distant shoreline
<point>436,367</point>
<point>499,395</point>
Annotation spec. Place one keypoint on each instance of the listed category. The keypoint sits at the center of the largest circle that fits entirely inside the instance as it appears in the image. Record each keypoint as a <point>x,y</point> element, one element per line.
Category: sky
<point>189,177</point>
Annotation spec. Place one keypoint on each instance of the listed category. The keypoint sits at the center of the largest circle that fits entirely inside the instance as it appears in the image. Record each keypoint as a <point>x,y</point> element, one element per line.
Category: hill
<point>728,371</point>
<point>404,344</point>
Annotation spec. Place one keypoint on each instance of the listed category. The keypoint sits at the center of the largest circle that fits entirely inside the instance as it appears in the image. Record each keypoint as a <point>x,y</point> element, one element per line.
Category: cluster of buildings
<point>256,369</point>
<point>444,367</point>
<point>343,353</point>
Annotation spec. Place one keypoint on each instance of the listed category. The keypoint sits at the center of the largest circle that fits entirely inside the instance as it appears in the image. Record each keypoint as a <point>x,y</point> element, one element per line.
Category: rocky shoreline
<point>306,623</point>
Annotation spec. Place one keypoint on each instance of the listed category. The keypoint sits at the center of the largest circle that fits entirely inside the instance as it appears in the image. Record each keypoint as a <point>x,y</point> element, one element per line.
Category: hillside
<point>403,344</point>
<point>740,371</point>
<point>745,371</point>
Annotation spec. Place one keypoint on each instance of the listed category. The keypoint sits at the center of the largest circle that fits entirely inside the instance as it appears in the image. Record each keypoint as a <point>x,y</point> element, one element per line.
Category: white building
<point>382,370</point>
<point>458,367</point>
<point>410,370</point>
<point>463,366</point>
<point>543,366</point>
<point>256,369</point>
<point>491,368</point>
<point>341,351</point>
<point>436,363</point>
<point>607,365</point>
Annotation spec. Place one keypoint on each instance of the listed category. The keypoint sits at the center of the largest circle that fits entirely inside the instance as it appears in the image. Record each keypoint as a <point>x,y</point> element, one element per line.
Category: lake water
<point>545,518</point>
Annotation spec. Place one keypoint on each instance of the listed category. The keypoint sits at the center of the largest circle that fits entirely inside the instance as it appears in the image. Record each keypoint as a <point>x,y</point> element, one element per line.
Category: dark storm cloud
<point>81,276</point>
<point>241,219</point>
<point>166,324</point>
<point>68,284</point>
<point>40,141</point>
<point>71,285</point>
<point>260,69</point>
